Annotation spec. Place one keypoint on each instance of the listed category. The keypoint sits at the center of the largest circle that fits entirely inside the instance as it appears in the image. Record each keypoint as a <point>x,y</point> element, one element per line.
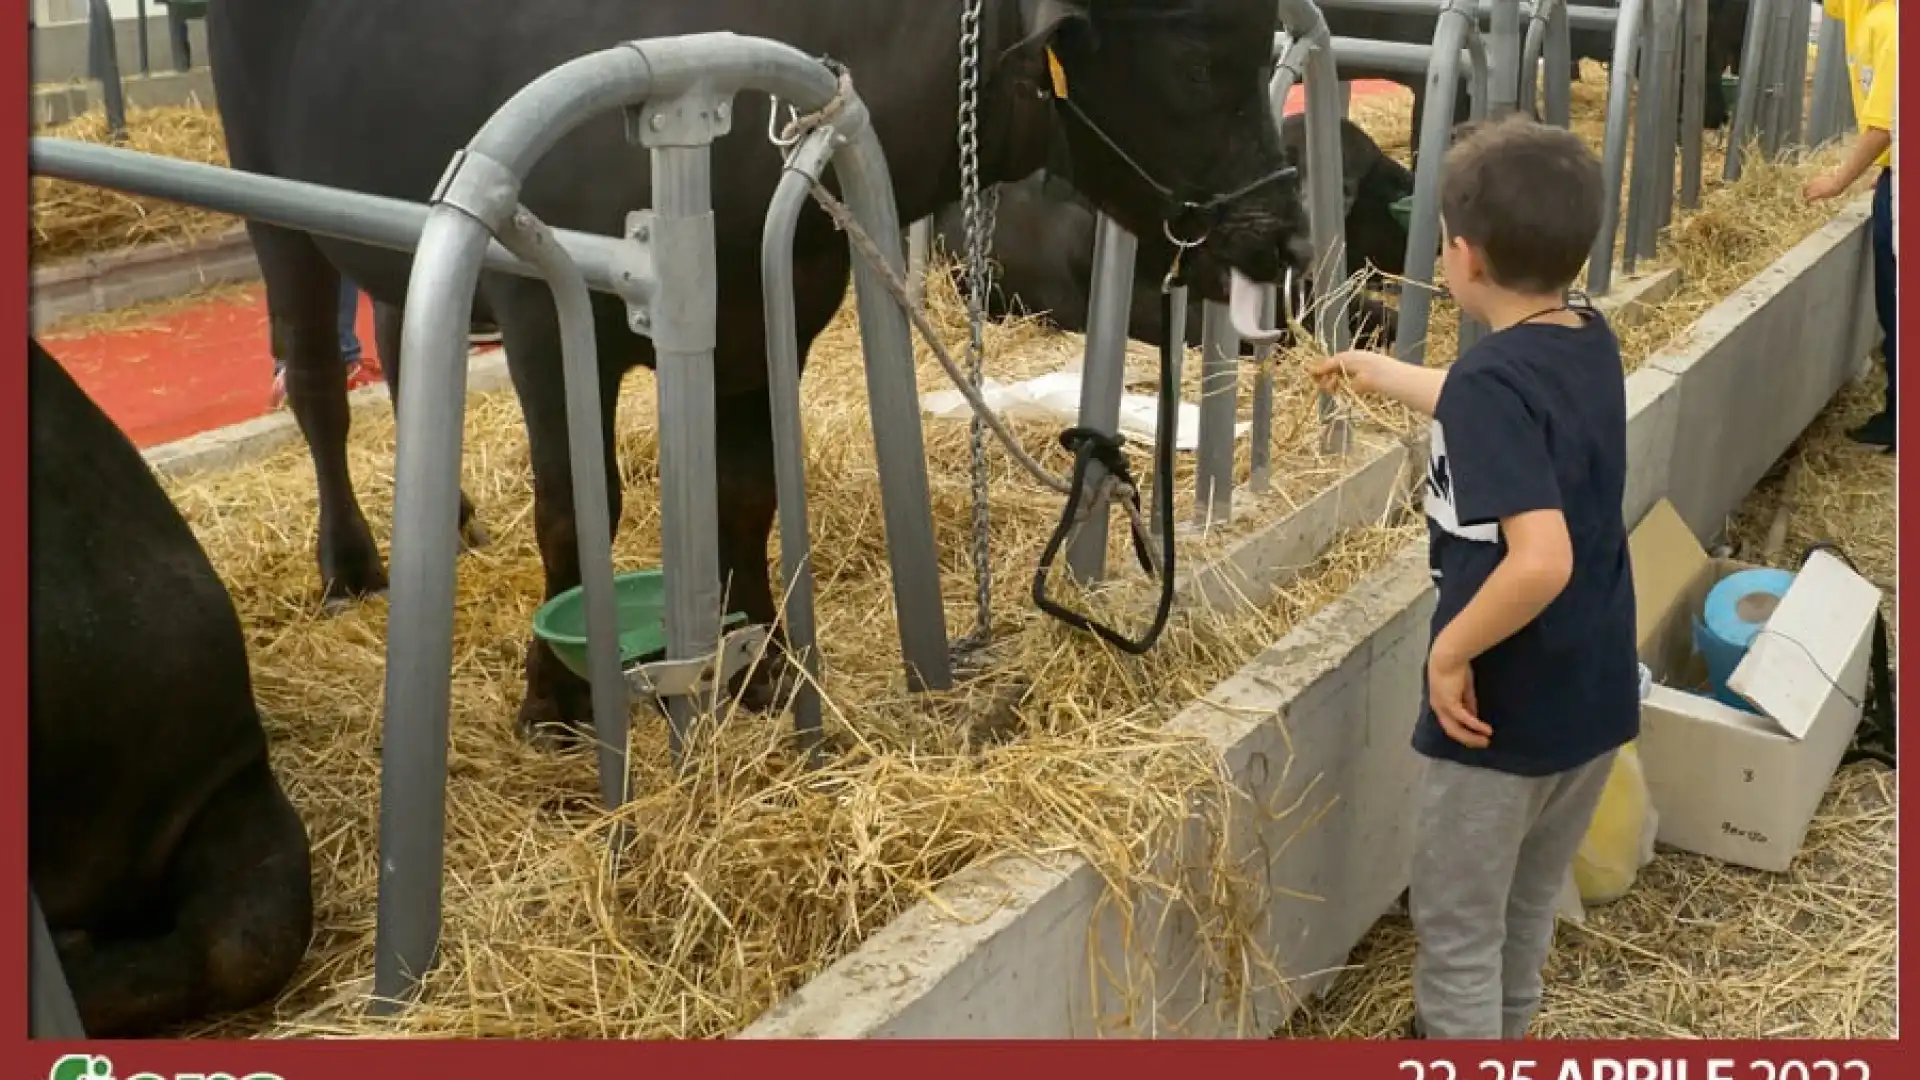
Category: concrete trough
<point>1315,732</point>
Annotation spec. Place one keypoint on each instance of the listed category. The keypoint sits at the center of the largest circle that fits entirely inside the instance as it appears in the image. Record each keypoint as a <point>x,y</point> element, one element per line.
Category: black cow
<point>173,871</point>
<point>1043,242</point>
<point>377,95</point>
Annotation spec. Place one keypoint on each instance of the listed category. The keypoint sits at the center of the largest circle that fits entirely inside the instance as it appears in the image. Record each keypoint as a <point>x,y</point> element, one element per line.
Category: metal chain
<point>979,211</point>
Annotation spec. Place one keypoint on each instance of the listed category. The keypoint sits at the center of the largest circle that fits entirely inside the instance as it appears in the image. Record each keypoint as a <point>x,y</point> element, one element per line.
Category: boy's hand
<point>1450,693</point>
<point>1825,186</point>
<point>1356,365</point>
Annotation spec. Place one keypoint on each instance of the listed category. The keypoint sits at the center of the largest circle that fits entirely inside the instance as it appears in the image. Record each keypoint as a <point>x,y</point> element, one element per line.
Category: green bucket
<point>640,614</point>
<point>1730,86</point>
<point>1402,210</point>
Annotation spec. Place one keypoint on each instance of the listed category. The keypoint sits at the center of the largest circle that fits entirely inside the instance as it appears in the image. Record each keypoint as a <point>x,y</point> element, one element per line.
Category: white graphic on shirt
<point>1440,505</point>
<point>1866,80</point>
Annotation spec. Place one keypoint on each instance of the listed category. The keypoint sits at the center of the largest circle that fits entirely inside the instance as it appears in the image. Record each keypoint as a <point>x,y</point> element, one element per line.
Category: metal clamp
<point>699,676</point>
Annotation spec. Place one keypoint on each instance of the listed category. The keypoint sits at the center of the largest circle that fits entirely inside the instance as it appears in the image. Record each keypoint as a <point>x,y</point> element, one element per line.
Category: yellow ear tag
<point>1059,75</point>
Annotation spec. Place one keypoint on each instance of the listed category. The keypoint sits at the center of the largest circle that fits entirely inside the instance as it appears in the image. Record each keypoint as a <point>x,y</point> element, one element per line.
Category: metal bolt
<point>721,111</point>
<point>659,121</point>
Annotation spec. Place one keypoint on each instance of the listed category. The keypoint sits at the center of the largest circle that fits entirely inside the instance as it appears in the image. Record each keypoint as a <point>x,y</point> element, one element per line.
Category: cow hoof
<point>336,601</point>
<point>473,535</point>
<point>543,727</point>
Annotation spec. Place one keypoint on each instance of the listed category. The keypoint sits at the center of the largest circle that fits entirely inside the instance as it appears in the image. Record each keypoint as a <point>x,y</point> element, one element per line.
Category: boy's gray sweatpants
<point>1491,852</point>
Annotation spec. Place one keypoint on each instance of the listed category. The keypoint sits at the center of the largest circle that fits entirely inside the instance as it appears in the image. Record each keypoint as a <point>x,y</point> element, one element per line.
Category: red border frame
<point>373,1060</point>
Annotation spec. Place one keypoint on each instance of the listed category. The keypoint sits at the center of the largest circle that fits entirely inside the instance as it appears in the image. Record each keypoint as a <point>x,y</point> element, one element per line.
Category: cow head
<point>1166,120</point>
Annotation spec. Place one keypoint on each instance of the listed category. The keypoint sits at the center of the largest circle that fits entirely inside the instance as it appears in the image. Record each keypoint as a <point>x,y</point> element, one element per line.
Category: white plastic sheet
<point>1054,398</point>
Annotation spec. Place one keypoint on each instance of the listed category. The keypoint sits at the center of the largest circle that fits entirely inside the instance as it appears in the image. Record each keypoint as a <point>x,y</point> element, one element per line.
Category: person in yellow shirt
<point>1873,57</point>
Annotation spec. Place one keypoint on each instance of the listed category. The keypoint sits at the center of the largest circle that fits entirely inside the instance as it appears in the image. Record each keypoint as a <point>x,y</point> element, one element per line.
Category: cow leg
<point>748,503</point>
<point>303,297</point>
<point>239,890</point>
<point>387,323</point>
<point>558,704</point>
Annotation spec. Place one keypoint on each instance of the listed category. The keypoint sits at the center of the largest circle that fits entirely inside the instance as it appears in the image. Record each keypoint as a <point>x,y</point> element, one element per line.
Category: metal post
<point>1626,41</point>
<point>1103,378</point>
<point>1453,31</point>
<point>1665,93</point>
<point>1219,407</point>
<point>919,254</point>
<point>1830,96</point>
<point>1793,81</point>
<point>1503,58</point>
<point>804,167</point>
<point>1693,104</point>
<point>1326,203</point>
<point>51,1012</point>
<point>140,28</point>
<point>103,61</point>
<point>179,39</point>
<point>1641,227</point>
<point>1748,103</point>
<point>1773,114</point>
<point>1261,476</point>
<point>1176,333</point>
<point>679,137</point>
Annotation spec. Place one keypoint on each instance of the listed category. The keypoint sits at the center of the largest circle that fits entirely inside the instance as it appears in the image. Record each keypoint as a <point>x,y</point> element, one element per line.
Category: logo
<point>97,1067</point>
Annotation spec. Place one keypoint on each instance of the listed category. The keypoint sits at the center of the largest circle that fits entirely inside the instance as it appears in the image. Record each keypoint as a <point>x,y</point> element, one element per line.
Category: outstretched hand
<point>1354,365</point>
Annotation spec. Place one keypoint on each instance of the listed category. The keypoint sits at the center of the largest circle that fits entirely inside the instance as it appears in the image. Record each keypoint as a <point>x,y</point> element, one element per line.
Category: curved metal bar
<point>1747,104</point>
<point>476,197</point>
<point>1453,32</point>
<point>1548,33</point>
<point>804,167</point>
<point>528,237</point>
<point>1326,208</point>
<point>1626,42</point>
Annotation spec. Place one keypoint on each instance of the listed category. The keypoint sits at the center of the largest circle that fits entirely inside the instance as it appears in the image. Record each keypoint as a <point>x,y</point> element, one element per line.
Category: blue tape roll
<point>1735,610</point>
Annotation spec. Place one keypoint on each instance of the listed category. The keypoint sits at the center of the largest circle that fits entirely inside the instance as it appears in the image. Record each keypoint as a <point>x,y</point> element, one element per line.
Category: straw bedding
<point>747,875</point>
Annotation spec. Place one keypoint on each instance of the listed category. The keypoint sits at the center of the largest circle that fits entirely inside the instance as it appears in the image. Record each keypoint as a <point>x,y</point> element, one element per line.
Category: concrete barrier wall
<point>59,46</point>
<point>1315,731</point>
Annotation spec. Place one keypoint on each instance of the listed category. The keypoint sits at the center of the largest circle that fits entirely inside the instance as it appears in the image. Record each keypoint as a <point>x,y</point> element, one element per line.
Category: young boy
<point>1532,675</point>
<point>1873,55</point>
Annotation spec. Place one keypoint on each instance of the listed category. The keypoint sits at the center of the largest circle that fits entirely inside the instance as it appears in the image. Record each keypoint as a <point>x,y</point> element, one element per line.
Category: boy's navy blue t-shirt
<point>1534,417</point>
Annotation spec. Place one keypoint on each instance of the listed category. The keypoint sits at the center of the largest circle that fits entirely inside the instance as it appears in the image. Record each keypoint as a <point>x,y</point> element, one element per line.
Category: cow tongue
<point>1243,306</point>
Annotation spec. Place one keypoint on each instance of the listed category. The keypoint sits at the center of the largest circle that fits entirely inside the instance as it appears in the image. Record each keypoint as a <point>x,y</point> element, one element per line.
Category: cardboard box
<point>1727,784</point>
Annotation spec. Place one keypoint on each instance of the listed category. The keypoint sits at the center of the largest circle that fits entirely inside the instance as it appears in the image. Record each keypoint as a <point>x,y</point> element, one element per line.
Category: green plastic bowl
<point>640,613</point>
<point>1730,86</point>
<point>1402,210</point>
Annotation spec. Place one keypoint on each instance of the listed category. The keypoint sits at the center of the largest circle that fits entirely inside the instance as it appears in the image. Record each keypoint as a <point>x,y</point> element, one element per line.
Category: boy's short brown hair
<point>1527,196</point>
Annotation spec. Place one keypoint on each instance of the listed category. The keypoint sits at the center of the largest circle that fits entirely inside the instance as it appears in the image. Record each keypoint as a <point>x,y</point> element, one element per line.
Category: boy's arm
<point>1538,564</point>
<point>1875,121</point>
<point>1500,470</point>
<point>1413,385</point>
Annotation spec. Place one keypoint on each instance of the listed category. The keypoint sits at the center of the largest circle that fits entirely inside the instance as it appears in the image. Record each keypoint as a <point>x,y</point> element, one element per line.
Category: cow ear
<point>1352,194</point>
<point>1040,19</point>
